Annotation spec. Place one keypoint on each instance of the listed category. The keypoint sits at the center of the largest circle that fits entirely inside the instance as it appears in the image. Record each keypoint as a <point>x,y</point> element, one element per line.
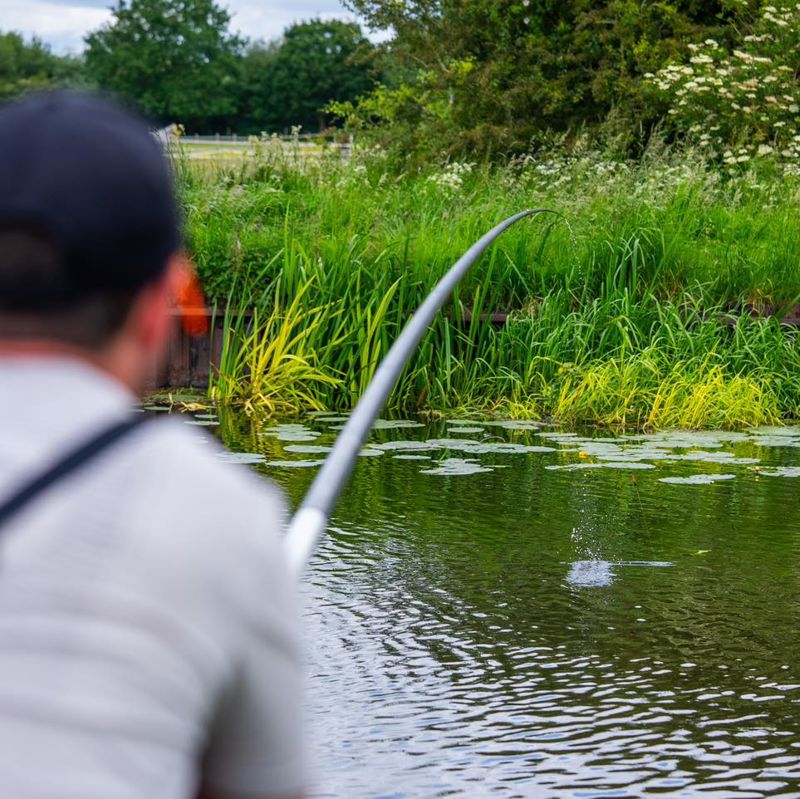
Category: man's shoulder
<point>196,463</point>
<point>188,487</point>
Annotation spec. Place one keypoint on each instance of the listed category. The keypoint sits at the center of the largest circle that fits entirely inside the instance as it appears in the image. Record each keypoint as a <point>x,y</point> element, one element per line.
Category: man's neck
<point>102,360</point>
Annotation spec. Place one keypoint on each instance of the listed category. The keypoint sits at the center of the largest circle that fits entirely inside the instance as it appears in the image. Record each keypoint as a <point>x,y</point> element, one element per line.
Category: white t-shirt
<point>147,622</point>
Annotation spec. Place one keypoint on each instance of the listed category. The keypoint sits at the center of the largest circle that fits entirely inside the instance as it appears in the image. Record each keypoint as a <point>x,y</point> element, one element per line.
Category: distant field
<point>215,151</point>
<point>226,150</point>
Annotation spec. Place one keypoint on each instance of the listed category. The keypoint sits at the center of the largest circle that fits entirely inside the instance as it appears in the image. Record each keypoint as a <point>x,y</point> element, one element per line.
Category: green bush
<point>495,77</point>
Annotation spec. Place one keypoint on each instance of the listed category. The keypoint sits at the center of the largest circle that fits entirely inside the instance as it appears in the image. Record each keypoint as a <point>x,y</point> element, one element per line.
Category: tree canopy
<point>291,81</point>
<point>176,60</point>
<point>26,66</point>
<point>492,75</point>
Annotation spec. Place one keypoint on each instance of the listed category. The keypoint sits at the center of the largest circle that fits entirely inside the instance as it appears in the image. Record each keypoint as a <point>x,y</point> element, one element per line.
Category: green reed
<point>636,313</point>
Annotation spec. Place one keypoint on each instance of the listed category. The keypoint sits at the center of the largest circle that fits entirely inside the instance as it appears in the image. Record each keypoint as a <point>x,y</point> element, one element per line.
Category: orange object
<point>190,301</point>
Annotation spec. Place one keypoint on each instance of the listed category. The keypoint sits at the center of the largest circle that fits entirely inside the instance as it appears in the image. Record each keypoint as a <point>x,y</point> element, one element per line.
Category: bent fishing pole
<point>311,519</point>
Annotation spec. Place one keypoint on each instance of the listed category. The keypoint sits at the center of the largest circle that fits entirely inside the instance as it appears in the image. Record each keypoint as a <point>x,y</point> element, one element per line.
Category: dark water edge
<point>528,632</point>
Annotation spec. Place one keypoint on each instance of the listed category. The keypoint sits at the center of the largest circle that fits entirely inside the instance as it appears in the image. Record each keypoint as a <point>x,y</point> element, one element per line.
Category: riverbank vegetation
<point>656,299</point>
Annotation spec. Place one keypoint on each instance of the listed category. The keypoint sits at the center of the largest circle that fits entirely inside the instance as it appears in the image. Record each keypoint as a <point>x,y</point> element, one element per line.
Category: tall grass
<point>637,313</point>
<point>267,362</point>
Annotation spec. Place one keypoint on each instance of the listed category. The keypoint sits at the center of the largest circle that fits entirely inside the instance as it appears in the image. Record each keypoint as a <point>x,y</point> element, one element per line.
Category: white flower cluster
<point>555,171</point>
<point>451,178</point>
<point>657,179</point>
<point>744,105</point>
<point>544,172</point>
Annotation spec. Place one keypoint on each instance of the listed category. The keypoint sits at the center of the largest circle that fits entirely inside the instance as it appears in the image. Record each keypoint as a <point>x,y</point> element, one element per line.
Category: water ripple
<point>525,632</point>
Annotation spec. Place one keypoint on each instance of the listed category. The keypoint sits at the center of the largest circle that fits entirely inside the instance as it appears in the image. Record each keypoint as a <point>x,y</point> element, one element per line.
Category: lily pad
<point>725,458</point>
<point>465,430</point>
<point>688,439</point>
<point>456,467</point>
<point>294,464</point>
<point>782,471</point>
<point>202,422</point>
<point>635,455</point>
<point>411,457</point>
<point>697,479</point>
<point>370,452</point>
<point>241,457</point>
<point>688,443</point>
<point>628,465</point>
<point>520,425</point>
<point>776,441</point>
<point>291,432</point>
<point>395,424</point>
<point>484,447</point>
<point>404,446</point>
<point>774,430</point>
<point>307,449</point>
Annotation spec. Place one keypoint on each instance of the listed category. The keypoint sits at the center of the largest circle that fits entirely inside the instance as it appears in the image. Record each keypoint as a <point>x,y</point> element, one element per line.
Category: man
<point>147,634</point>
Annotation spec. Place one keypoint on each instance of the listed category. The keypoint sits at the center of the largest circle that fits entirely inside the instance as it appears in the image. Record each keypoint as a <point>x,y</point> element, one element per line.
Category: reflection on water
<point>517,631</point>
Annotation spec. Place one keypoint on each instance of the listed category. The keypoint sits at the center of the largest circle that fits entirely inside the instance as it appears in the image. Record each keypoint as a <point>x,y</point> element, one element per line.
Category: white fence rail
<point>286,137</point>
<point>305,143</point>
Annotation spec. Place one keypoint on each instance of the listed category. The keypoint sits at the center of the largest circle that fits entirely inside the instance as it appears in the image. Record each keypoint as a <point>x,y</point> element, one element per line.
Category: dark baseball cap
<point>89,178</point>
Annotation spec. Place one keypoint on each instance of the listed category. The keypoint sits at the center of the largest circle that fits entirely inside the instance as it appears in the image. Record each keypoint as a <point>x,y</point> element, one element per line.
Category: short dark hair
<point>31,267</point>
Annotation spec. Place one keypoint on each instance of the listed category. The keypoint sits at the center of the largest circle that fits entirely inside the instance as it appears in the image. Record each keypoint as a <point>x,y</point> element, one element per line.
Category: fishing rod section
<point>311,519</point>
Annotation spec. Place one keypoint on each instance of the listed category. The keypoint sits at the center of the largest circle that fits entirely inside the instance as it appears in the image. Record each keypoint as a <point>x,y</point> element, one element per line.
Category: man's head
<point>89,232</point>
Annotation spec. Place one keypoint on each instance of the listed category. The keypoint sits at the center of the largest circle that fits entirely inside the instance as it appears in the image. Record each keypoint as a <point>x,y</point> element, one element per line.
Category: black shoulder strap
<point>68,464</point>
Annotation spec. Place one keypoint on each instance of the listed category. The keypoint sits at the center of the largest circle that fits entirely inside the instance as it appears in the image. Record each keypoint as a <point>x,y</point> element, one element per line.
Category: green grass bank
<point>656,304</point>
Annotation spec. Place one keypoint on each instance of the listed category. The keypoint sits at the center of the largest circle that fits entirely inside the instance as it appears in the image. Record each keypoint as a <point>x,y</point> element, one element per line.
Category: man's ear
<point>137,351</point>
<point>189,300</point>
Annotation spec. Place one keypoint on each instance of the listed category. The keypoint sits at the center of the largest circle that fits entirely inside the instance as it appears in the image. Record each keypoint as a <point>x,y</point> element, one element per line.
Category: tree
<point>490,76</point>
<point>174,59</point>
<point>292,81</point>
<point>27,66</point>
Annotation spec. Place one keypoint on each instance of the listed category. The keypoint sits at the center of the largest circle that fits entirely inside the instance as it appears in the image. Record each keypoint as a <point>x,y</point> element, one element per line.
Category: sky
<point>63,23</point>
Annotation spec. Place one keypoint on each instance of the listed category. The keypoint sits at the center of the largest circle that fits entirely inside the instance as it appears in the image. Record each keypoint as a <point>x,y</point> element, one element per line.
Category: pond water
<point>506,610</point>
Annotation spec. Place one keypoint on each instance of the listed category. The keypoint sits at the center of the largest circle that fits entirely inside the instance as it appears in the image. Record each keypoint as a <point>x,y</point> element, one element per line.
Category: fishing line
<point>311,519</point>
